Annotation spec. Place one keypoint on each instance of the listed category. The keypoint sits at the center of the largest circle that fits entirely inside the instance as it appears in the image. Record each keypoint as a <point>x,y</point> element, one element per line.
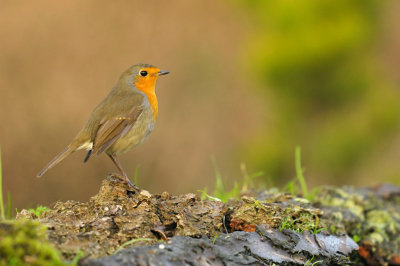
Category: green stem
<point>299,172</point>
<point>9,210</point>
<point>2,212</point>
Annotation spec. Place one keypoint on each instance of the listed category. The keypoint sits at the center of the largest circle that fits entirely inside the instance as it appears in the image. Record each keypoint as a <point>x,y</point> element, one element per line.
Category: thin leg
<point>115,160</point>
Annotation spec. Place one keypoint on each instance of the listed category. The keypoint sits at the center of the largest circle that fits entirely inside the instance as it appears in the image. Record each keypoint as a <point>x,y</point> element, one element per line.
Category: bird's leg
<point>115,160</point>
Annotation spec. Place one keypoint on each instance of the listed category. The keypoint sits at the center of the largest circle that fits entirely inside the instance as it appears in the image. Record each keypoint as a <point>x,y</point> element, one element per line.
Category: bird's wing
<point>113,128</point>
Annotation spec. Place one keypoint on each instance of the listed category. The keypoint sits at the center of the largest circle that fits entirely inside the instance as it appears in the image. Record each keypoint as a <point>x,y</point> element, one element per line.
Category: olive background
<point>249,81</point>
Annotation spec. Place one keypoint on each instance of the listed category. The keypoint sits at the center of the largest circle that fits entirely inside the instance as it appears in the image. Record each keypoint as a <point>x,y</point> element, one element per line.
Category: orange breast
<point>153,103</point>
<point>148,88</point>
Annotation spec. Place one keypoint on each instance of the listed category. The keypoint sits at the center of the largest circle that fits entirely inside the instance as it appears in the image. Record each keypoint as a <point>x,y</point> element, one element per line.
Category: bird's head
<point>143,76</point>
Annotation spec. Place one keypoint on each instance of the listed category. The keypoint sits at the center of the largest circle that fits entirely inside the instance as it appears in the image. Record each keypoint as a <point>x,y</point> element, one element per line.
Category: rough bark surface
<point>262,227</point>
<point>266,246</point>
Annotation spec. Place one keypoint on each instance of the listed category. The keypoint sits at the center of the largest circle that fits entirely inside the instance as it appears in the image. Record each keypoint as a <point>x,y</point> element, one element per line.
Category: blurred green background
<point>250,80</point>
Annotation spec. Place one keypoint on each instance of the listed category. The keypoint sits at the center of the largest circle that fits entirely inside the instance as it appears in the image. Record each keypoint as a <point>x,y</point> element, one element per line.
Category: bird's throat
<point>151,95</point>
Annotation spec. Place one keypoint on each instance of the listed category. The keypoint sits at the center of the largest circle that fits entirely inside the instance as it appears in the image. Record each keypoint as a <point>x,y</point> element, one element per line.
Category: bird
<point>121,121</point>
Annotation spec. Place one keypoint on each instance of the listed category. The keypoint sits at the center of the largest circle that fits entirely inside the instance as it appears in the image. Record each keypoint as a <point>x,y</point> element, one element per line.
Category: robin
<point>122,120</point>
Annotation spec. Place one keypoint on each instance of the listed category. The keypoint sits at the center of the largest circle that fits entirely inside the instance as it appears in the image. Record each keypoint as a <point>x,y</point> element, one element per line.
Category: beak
<point>162,72</point>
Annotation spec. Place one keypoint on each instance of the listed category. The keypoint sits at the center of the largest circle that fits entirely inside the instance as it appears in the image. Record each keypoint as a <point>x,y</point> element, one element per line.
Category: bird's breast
<point>152,99</point>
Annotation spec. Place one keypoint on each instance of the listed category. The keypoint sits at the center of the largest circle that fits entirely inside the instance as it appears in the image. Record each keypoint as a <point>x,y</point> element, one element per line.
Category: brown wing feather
<point>114,128</point>
<point>111,119</point>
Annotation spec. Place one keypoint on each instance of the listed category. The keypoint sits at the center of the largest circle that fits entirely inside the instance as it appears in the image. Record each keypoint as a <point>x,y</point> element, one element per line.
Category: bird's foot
<point>131,184</point>
<point>127,181</point>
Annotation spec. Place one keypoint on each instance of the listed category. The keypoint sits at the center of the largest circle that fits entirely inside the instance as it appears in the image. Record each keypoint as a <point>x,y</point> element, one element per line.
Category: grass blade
<point>299,172</point>
<point>131,242</point>
<point>2,211</point>
<point>9,209</point>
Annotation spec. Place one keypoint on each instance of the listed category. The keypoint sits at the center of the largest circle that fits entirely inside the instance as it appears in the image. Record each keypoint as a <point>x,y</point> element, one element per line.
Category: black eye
<point>143,73</point>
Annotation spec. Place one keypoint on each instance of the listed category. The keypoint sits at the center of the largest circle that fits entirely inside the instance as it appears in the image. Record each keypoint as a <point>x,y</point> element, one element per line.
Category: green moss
<point>279,212</point>
<point>340,198</point>
<point>382,225</point>
<point>24,243</point>
<point>370,216</point>
<point>39,211</point>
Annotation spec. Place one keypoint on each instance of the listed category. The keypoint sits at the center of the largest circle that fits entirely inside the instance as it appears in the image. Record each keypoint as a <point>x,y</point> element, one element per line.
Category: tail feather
<point>61,156</point>
<point>87,156</point>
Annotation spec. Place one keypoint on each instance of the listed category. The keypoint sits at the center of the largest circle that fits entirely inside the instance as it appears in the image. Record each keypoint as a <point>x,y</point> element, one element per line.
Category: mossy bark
<point>291,226</point>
